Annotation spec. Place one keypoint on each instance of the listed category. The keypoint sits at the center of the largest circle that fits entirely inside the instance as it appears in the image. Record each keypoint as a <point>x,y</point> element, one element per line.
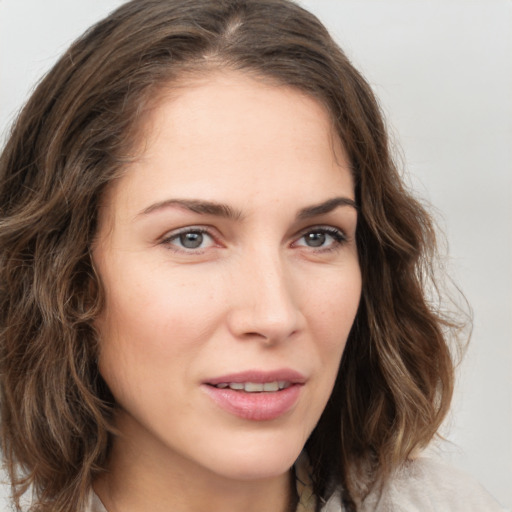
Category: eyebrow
<point>197,206</point>
<point>325,207</point>
<point>226,211</point>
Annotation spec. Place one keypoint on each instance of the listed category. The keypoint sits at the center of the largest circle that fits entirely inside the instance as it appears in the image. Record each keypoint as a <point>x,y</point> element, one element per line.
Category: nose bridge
<point>265,303</point>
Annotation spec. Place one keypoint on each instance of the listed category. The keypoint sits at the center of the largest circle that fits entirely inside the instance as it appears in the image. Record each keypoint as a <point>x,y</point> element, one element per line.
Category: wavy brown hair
<point>75,135</point>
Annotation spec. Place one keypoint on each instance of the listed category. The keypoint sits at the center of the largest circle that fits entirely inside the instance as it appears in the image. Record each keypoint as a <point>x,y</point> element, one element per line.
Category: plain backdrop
<point>443,72</point>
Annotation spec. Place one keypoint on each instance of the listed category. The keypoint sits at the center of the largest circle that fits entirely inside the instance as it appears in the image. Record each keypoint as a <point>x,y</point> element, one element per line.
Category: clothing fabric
<point>430,485</point>
<point>424,485</point>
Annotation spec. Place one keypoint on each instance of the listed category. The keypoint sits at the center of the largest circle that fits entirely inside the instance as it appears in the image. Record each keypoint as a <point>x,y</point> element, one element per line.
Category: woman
<point>215,288</point>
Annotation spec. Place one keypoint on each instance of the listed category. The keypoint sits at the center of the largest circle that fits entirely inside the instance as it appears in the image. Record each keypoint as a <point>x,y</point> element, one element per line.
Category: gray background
<point>442,70</point>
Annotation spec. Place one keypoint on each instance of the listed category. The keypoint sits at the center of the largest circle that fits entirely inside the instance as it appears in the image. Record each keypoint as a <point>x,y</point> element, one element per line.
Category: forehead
<point>226,134</point>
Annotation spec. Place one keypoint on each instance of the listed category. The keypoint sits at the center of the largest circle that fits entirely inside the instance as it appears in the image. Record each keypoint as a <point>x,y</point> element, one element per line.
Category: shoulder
<point>430,485</point>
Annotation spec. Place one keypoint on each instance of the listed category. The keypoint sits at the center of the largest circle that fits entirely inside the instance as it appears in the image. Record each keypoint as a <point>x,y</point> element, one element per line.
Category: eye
<point>321,238</point>
<point>190,239</point>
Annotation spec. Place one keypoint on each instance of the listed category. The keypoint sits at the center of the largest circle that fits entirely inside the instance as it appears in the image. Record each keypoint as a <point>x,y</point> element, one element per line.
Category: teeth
<point>255,387</point>
<point>252,387</point>
<point>271,386</point>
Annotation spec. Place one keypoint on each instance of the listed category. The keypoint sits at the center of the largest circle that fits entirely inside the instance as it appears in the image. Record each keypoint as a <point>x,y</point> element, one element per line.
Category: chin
<point>258,460</point>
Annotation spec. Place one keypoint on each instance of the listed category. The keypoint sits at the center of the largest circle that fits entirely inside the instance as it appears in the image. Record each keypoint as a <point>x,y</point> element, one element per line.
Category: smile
<point>255,387</point>
<point>256,395</point>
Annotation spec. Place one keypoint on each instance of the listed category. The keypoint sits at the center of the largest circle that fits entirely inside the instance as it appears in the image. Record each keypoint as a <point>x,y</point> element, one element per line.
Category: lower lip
<point>255,406</point>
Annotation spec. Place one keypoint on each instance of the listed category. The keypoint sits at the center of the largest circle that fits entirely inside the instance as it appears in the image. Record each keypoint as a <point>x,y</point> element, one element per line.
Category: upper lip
<point>259,376</point>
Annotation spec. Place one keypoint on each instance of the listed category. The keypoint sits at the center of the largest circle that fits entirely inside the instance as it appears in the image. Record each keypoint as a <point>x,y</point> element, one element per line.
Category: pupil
<point>315,239</point>
<point>191,240</point>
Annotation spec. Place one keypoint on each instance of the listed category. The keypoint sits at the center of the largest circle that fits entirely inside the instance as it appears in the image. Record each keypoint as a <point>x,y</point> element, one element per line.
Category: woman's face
<point>228,256</point>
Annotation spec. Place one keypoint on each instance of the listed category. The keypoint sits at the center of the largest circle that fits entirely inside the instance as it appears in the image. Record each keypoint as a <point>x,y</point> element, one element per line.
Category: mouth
<point>254,387</point>
<point>256,395</point>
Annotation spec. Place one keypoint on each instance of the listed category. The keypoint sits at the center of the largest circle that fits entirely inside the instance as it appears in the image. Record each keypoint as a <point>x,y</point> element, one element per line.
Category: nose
<point>264,301</point>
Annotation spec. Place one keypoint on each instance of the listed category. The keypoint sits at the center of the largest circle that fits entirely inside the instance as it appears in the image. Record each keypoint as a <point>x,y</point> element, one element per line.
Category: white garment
<point>425,485</point>
<point>430,485</point>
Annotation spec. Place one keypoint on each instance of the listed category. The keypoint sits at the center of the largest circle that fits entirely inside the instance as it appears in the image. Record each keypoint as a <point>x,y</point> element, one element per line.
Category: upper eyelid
<point>210,231</point>
<point>321,227</point>
<point>168,239</point>
<point>338,241</point>
<point>186,229</point>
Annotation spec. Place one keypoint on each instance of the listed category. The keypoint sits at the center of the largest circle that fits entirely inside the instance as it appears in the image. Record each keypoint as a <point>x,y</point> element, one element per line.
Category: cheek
<point>331,314</point>
<point>153,320</point>
<point>333,319</point>
<point>332,309</point>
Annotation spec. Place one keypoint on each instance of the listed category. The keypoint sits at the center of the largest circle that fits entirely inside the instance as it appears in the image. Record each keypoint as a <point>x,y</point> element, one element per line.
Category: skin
<point>267,288</point>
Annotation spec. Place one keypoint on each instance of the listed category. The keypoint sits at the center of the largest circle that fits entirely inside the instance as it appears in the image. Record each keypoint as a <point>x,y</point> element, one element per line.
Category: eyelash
<point>167,240</point>
<point>338,236</point>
